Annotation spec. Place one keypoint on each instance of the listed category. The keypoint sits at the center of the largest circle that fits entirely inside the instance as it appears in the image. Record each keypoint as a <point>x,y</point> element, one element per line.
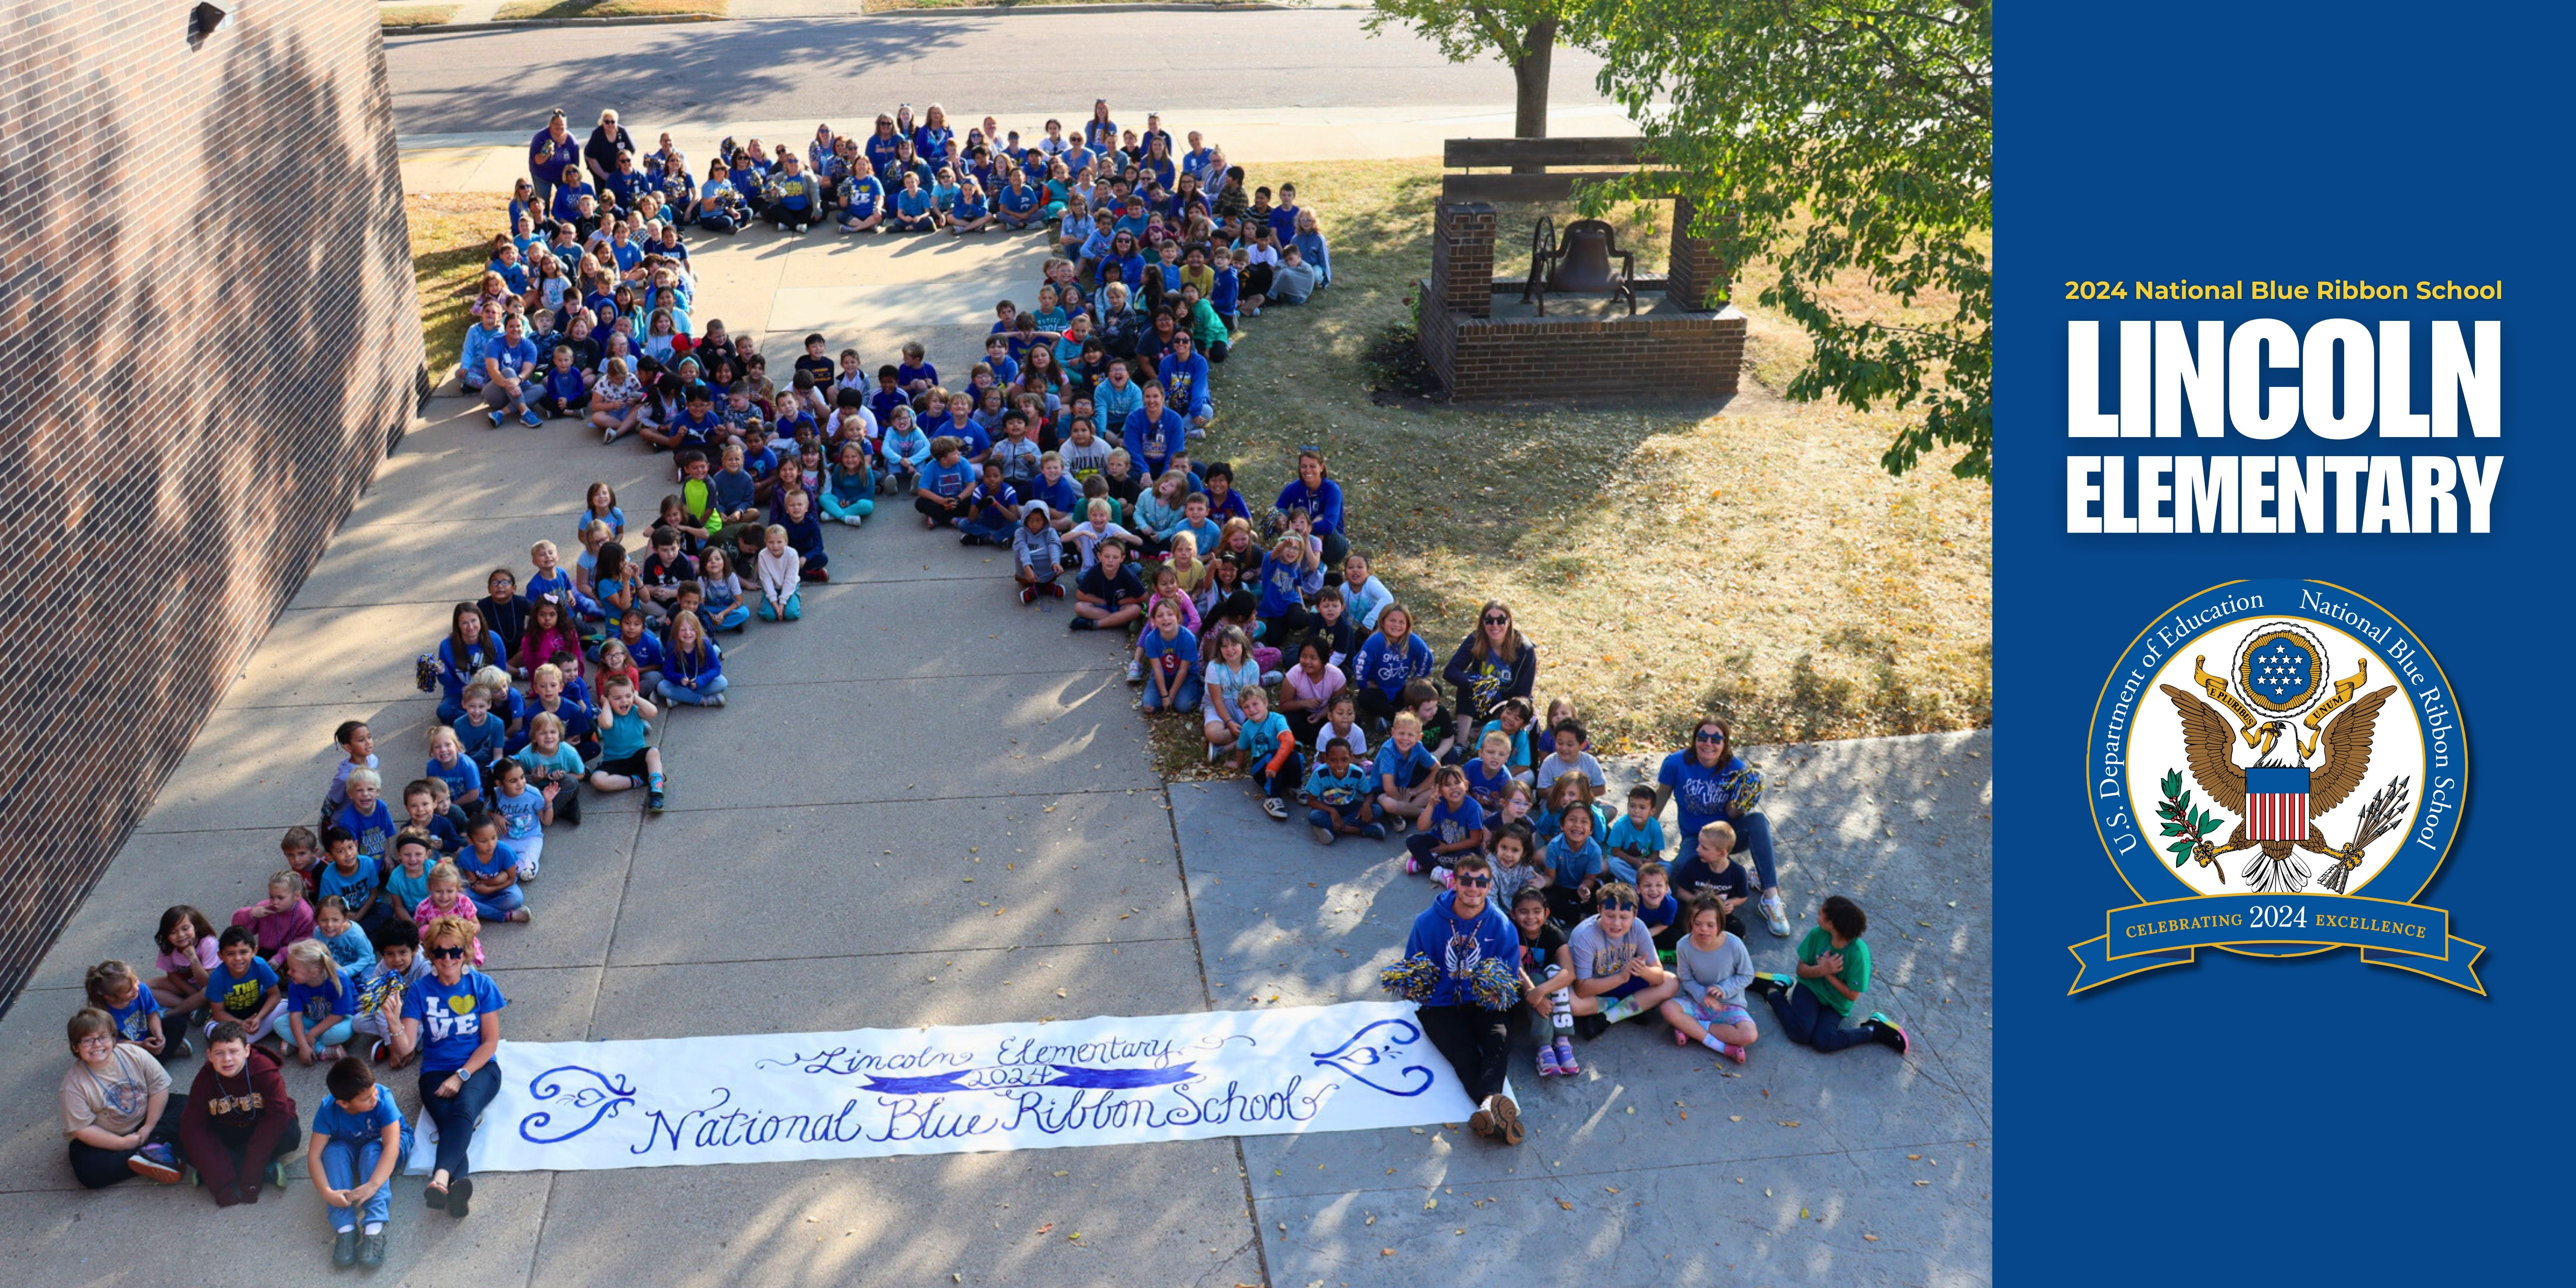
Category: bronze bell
<point>1578,265</point>
<point>1583,266</point>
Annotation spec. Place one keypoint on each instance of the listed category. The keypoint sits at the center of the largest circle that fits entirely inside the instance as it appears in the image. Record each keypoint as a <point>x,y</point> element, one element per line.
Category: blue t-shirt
<point>464,777</point>
<point>1279,585</point>
<point>337,994</point>
<point>1337,790</point>
<point>1452,826</point>
<point>912,203</point>
<point>622,736</point>
<point>1704,795</point>
<point>331,1122</point>
<point>1172,657</point>
<point>374,830</point>
<point>948,481</point>
<point>510,356</point>
<point>470,861</point>
<point>451,1017</point>
<point>1627,837</point>
<point>134,1019</point>
<point>1406,769</point>
<point>241,994</point>
<point>1487,789</point>
<point>1572,865</point>
<point>519,814</point>
<point>353,888</point>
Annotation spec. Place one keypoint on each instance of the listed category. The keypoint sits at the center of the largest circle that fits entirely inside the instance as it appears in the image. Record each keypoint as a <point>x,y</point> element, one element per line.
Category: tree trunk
<point>1529,80</point>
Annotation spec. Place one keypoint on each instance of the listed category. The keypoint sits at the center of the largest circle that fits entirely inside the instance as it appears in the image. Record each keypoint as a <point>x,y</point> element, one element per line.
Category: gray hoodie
<point>1041,552</point>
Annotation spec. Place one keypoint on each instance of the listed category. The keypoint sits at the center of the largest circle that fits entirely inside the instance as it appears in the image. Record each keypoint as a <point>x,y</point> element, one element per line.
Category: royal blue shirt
<point>451,1018</point>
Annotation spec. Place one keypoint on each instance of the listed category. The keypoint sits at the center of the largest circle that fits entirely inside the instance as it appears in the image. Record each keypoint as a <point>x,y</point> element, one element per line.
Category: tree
<point>1522,32</point>
<point>1832,137</point>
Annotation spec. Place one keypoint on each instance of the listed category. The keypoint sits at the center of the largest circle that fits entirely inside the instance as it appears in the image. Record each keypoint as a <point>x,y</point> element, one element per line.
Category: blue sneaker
<point>495,418</point>
<point>529,418</point>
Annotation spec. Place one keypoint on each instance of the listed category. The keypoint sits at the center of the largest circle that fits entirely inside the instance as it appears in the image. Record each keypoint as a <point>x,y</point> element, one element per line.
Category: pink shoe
<point>1565,1063</point>
<point>1735,1053</point>
<point>1547,1066</point>
<point>1680,1039</point>
<point>1444,878</point>
<point>1412,866</point>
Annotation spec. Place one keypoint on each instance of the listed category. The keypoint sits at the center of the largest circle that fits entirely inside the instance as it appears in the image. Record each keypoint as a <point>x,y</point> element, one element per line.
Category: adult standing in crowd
<point>118,1112</point>
<point>607,142</point>
<point>1493,663</point>
<point>1709,783</point>
<point>454,1018</point>
<point>548,153</point>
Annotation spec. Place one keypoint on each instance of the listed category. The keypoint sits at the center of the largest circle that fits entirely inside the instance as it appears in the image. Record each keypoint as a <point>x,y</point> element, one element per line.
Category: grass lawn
<point>449,233</point>
<point>519,9</point>
<point>1665,556</point>
<point>392,17</point>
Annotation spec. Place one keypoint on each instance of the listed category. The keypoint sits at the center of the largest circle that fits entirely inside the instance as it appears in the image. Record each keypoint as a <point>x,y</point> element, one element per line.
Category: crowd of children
<point>1069,444</point>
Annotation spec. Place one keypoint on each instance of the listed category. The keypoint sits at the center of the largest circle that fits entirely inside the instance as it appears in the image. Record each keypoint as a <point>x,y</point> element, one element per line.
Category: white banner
<point>575,1106</point>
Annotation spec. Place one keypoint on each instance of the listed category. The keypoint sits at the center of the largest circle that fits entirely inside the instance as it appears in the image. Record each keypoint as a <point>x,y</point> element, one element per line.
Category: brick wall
<point>1487,358</point>
<point>1462,258</point>
<point>211,340</point>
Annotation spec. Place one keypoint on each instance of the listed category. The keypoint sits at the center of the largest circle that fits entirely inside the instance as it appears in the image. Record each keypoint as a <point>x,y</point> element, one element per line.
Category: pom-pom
<point>1414,978</point>
<point>1495,984</point>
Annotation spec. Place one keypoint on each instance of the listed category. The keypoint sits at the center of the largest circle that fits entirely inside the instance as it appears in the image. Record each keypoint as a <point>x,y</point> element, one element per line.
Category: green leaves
<point>2183,819</point>
<point>1833,142</point>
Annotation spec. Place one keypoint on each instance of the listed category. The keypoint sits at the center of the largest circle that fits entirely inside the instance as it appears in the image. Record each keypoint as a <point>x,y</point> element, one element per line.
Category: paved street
<point>920,725</point>
<point>843,69</point>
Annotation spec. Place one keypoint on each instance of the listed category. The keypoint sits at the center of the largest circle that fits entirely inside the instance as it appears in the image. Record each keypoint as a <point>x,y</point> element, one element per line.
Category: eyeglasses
<point>446,954</point>
<point>1705,736</point>
<point>1476,882</point>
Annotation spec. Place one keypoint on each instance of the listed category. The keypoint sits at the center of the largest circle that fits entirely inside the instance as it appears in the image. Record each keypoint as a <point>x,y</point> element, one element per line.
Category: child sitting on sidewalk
<point>1833,971</point>
<point>1714,967</point>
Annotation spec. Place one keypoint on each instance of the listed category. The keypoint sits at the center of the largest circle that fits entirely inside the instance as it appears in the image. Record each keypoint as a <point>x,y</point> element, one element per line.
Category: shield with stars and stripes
<point>2276,803</point>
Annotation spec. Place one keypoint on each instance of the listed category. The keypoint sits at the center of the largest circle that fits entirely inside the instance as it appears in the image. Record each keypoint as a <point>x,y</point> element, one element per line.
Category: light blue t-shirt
<point>451,1017</point>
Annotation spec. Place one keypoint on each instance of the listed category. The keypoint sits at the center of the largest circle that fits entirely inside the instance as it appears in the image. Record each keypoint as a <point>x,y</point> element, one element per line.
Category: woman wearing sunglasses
<point>455,1024</point>
<point>1493,663</point>
<point>1711,784</point>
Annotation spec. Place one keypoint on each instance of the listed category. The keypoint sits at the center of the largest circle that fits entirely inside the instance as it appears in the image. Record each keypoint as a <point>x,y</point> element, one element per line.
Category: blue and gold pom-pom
<point>1414,978</point>
<point>1496,984</point>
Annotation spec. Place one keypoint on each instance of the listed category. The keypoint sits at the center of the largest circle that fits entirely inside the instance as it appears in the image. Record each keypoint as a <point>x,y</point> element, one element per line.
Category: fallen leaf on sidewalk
<point>1563,1204</point>
<point>1871,1237</point>
<point>1047,1227</point>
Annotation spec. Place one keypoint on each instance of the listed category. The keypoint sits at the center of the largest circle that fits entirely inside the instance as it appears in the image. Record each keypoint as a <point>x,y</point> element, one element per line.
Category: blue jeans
<point>1752,832</point>
<point>731,617</point>
<point>997,533</point>
<point>1806,1021</point>
<point>455,1116</point>
<point>345,1165</point>
<point>497,907</point>
<point>717,222</point>
<point>1185,697</point>
<point>707,688</point>
<point>451,709</point>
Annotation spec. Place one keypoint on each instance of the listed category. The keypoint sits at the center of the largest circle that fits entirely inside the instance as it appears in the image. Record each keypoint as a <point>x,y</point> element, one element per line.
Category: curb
<point>970,11</point>
<point>636,20</point>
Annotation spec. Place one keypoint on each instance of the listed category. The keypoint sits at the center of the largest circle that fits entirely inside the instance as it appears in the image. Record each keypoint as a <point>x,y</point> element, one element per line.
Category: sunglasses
<point>1617,905</point>
<point>1705,736</point>
<point>1497,619</point>
<point>446,954</point>
<point>1477,882</point>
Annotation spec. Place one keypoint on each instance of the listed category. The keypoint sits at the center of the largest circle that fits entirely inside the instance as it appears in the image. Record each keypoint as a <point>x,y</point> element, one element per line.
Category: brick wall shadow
<point>212,342</point>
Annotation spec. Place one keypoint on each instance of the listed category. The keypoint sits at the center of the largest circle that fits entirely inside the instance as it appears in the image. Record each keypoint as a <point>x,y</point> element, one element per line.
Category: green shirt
<point>1855,976</point>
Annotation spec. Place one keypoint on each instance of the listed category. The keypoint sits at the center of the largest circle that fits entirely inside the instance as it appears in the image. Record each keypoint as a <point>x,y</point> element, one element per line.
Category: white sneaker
<point>1275,808</point>
<point>1135,671</point>
<point>1774,915</point>
<point>608,435</point>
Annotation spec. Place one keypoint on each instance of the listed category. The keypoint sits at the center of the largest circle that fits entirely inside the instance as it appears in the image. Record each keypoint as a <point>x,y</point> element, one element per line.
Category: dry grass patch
<point>449,235</point>
<point>524,9</point>
<point>400,16</point>
<point>1666,555</point>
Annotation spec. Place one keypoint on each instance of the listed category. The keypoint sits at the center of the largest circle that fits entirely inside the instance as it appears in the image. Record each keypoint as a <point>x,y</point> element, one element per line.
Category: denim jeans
<point>1807,1021</point>
<point>707,688</point>
<point>1185,697</point>
<point>455,1115</point>
<point>497,907</point>
<point>345,1166</point>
